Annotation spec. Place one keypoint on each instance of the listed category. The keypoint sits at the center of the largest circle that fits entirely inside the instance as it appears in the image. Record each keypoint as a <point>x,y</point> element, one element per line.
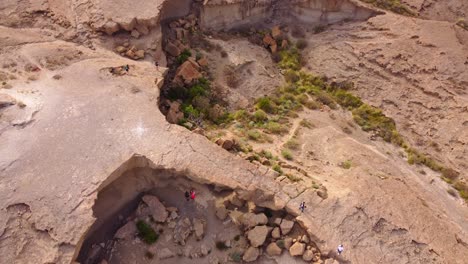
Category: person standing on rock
<point>126,68</point>
<point>192,194</point>
<point>187,196</point>
<point>302,206</point>
<point>340,249</point>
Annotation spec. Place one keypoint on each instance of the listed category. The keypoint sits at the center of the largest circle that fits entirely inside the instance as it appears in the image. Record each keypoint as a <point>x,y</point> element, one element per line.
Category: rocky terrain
<point>111,110</point>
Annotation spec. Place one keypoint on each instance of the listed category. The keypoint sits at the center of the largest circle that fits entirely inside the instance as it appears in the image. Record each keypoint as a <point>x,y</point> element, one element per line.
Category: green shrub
<point>326,99</point>
<point>462,189</point>
<point>292,144</point>
<point>190,111</point>
<point>266,154</point>
<point>302,98</point>
<point>306,123</point>
<point>291,76</point>
<point>346,164</point>
<point>278,169</point>
<point>372,119</point>
<point>275,128</point>
<point>290,59</point>
<point>259,116</point>
<point>286,154</point>
<point>347,99</point>
<point>146,232</point>
<point>254,135</point>
<point>312,105</point>
<point>184,56</point>
<point>265,104</point>
<point>241,115</point>
<point>293,178</point>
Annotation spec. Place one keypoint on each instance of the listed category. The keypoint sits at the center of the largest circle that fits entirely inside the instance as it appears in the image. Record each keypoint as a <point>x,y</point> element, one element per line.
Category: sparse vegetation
<point>236,256</point>
<point>462,23</point>
<point>278,169</point>
<point>146,232</point>
<point>287,154</point>
<point>293,178</point>
<point>346,164</point>
<point>392,5</point>
<point>184,56</point>
<point>301,44</point>
<point>254,135</point>
<point>292,144</point>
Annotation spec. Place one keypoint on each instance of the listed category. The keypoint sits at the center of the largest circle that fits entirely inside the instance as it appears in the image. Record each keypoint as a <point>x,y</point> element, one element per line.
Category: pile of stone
<point>154,213</point>
<point>275,38</point>
<point>130,51</point>
<point>267,235</point>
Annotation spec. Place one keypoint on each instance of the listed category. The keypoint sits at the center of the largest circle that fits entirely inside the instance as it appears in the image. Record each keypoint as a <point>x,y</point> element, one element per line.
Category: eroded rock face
<point>230,14</point>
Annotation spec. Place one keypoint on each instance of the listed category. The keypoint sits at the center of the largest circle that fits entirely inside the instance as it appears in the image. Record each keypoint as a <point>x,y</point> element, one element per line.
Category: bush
<point>286,154</point>
<point>292,144</point>
<point>266,154</point>
<point>306,123</point>
<point>184,56</point>
<point>462,189</point>
<point>146,232</point>
<point>347,99</point>
<point>312,105</point>
<point>326,99</point>
<point>278,169</point>
<point>372,119</point>
<point>346,165</point>
<point>290,59</point>
<point>241,115</point>
<point>301,44</point>
<point>275,128</point>
<point>265,104</point>
<point>259,116</point>
<point>254,135</point>
<point>291,76</point>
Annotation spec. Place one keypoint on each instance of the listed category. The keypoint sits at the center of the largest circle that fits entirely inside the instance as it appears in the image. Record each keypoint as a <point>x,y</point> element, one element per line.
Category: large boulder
<point>126,231</point>
<point>172,49</point>
<point>286,226</point>
<point>157,209</point>
<point>273,249</point>
<point>257,235</point>
<point>174,115</point>
<point>251,254</point>
<point>187,73</point>
<point>199,228</point>
<point>250,220</point>
<point>297,249</point>
<point>270,42</point>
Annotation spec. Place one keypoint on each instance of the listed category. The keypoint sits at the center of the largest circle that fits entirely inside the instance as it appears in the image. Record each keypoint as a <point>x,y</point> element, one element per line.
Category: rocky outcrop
<point>231,14</point>
<point>156,208</point>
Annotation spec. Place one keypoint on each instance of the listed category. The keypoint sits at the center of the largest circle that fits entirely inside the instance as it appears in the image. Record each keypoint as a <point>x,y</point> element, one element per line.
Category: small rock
<point>297,249</point>
<point>257,235</point>
<point>120,49</point>
<point>174,115</point>
<point>204,250</point>
<point>111,27</point>
<point>288,242</point>
<point>251,254</point>
<point>308,255</point>
<point>135,34</point>
<point>165,253</point>
<point>305,239</point>
<point>203,62</point>
<point>273,249</point>
<point>276,233</point>
<point>286,226</point>
<point>139,54</point>
<point>229,144</point>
